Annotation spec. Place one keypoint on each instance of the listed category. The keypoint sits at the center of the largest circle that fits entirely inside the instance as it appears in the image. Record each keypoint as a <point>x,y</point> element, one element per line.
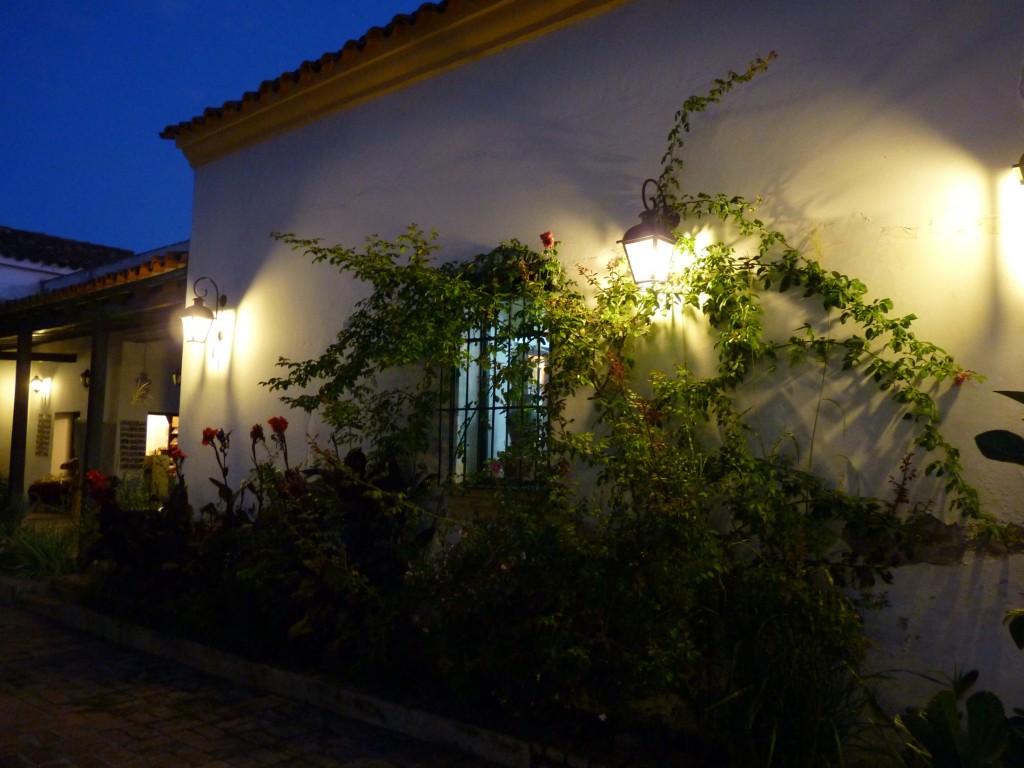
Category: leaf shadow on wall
<point>1002,444</point>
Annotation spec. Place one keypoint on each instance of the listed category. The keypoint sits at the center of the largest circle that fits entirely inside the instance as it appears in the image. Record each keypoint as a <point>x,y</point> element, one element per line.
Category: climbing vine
<point>881,347</point>
<point>668,548</point>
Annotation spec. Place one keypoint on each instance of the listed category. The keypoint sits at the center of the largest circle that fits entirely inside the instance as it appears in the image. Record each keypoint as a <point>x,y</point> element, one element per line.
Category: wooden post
<point>19,419</point>
<point>97,397</point>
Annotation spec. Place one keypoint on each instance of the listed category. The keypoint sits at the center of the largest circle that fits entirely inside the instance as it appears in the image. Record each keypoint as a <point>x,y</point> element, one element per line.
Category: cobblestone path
<point>71,700</point>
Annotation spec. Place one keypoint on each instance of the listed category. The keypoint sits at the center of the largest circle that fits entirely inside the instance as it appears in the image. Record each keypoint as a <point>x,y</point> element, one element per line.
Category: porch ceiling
<point>141,300</point>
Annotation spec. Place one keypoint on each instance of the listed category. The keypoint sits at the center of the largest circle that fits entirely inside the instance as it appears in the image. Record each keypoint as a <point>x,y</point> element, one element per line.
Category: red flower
<point>177,454</point>
<point>547,239</point>
<point>278,424</point>
<point>96,480</point>
<point>961,377</point>
<point>616,369</point>
<point>256,433</point>
<point>209,433</point>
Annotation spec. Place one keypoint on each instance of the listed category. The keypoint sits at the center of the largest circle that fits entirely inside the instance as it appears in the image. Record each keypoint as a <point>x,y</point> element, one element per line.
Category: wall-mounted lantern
<point>86,377</point>
<point>197,320</point>
<point>1019,168</point>
<point>41,386</point>
<point>650,245</point>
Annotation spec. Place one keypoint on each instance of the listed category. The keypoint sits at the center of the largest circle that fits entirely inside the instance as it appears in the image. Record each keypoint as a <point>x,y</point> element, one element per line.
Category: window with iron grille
<point>493,419</point>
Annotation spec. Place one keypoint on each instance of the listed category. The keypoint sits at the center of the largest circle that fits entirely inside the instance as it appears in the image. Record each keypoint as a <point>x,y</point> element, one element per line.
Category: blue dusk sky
<point>89,85</point>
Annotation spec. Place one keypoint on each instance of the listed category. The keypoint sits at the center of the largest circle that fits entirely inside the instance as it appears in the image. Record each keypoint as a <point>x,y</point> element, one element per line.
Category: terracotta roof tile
<point>21,245</point>
<point>312,71</point>
<point>157,265</point>
<point>434,39</point>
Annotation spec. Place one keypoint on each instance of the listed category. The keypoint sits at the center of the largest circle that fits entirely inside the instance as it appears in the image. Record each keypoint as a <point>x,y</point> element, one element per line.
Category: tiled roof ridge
<point>25,245</point>
<point>310,71</point>
<point>157,265</point>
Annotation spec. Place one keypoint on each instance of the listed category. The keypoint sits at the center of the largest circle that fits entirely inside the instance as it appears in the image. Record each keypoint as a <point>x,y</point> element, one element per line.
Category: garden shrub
<point>781,659</point>
<point>304,582</point>
<point>599,630</point>
<point>38,552</point>
<point>702,581</point>
<point>306,577</point>
<point>702,591</point>
<point>499,616</point>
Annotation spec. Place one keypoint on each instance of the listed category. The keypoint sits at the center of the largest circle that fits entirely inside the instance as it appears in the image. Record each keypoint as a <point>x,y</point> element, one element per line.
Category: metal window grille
<point>492,421</point>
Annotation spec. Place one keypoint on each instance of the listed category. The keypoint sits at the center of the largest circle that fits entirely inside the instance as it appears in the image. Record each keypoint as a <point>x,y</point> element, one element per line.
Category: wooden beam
<point>44,357</point>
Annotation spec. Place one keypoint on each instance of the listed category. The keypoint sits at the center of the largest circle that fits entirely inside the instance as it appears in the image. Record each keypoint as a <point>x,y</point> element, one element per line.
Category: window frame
<point>493,410</point>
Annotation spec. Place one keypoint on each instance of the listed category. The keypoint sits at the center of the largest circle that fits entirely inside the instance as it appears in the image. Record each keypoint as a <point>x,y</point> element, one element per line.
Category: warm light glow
<point>196,321</point>
<point>962,206</point>
<point>1019,170</point>
<point>650,246</point>
<point>1011,228</point>
<point>702,240</point>
<point>690,248</point>
<point>651,259</point>
<point>157,433</point>
<point>656,258</point>
<point>220,341</point>
<point>41,386</point>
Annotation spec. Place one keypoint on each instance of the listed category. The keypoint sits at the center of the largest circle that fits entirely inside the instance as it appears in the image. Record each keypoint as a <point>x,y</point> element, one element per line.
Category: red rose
<point>961,377</point>
<point>278,424</point>
<point>208,435</point>
<point>547,239</point>
<point>96,480</point>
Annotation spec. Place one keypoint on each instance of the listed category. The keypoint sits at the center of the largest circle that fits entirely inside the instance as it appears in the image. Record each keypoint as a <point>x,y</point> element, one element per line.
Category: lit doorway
<point>63,442</point>
<point>161,432</point>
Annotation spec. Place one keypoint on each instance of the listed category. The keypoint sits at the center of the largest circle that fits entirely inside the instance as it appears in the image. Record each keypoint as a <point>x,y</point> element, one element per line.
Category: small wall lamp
<point>41,386</point>
<point>86,377</point>
<point>1019,168</point>
<point>197,320</point>
<point>649,245</point>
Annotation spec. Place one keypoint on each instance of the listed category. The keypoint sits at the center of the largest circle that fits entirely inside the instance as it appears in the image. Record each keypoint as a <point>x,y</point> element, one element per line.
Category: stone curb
<point>496,748</point>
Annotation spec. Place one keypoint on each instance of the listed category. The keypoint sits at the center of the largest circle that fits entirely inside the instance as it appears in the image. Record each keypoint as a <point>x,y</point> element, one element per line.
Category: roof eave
<point>384,61</point>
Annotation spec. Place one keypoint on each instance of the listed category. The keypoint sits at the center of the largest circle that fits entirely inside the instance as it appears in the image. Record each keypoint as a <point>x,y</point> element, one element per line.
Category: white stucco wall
<point>947,619</point>
<point>7,404</point>
<point>881,140</point>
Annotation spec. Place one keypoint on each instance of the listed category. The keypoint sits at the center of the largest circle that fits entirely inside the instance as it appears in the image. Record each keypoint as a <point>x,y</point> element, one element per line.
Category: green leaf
<point>988,732</point>
<point>1014,620</point>
<point>935,730</point>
